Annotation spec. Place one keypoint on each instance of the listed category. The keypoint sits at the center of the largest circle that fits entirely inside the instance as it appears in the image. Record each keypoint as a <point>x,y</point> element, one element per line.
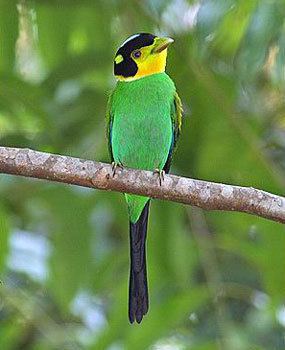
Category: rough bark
<point>87,173</point>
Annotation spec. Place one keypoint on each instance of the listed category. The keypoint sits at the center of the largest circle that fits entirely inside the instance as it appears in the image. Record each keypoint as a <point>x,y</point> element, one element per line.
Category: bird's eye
<point>137,54</point>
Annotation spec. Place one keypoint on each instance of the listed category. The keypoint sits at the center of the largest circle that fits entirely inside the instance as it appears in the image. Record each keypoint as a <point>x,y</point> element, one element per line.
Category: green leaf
<point>70,234</point>
<point>9,29</point>
<point>54,28</point>
<point>4,236</point>
<point>263,29</point>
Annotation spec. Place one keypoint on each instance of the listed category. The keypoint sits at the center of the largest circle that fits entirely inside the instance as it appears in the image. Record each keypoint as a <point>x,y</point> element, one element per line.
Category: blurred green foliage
<point>217,279</point>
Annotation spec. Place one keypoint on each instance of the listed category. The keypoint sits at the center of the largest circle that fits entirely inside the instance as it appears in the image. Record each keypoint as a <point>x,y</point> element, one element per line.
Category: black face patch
<point>128,67</point>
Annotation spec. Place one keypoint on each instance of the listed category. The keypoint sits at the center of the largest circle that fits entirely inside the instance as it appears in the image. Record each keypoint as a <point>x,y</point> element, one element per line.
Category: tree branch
<point>203,194</point>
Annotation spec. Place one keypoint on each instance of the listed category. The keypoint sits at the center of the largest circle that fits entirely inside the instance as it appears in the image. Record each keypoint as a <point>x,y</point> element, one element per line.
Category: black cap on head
<point>128,67</point>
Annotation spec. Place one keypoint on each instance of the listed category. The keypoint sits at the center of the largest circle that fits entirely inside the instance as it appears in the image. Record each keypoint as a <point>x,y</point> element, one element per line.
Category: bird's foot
<point>115,166</point>
<point>160,174</point>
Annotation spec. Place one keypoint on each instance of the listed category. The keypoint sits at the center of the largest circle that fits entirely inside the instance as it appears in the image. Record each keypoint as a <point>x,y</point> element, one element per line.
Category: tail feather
<point>138,290</point>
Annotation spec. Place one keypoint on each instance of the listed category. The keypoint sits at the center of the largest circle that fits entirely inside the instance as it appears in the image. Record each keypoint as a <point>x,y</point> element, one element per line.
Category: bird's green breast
<point>142,130</point>
<point>142,127</point>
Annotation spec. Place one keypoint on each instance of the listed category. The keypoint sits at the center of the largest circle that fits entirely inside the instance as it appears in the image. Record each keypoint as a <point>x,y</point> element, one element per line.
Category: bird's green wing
<point>110,118</point>
<point>176,117</point>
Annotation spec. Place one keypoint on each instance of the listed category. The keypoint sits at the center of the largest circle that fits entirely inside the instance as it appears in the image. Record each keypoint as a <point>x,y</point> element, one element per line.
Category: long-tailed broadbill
<point>144,121</point>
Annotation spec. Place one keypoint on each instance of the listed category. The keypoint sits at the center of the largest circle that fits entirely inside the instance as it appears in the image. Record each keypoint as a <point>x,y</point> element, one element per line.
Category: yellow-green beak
<point>161,44</point>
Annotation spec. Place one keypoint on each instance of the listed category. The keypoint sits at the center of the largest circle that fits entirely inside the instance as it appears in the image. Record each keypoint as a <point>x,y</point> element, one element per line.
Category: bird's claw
<point>115,166</point>
<point>160,174</point>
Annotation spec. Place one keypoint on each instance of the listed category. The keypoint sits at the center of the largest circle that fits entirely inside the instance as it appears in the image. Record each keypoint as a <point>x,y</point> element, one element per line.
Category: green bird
<point>144,121</point>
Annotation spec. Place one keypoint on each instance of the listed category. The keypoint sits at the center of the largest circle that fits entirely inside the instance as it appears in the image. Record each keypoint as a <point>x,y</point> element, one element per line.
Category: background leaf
<point>216,278</point>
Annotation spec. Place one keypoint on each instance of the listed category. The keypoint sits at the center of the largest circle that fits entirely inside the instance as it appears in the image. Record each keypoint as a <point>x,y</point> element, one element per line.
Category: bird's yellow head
<point>141,55</point>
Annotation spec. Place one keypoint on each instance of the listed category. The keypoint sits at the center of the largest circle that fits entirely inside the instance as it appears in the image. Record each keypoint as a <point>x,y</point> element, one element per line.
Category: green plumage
<point>144,119</point>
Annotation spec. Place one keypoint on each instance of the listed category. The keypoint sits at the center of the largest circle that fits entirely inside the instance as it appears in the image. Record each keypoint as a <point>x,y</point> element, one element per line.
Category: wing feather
<point>176,117</point>
<point>110,118</point>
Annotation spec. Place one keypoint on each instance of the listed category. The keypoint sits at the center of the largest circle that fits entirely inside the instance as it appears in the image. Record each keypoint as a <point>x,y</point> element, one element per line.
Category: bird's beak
<point>161,44</point>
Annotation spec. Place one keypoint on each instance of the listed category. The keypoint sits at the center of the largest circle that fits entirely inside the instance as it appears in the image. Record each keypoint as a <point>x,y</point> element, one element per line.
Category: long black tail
<point>138,292</point>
